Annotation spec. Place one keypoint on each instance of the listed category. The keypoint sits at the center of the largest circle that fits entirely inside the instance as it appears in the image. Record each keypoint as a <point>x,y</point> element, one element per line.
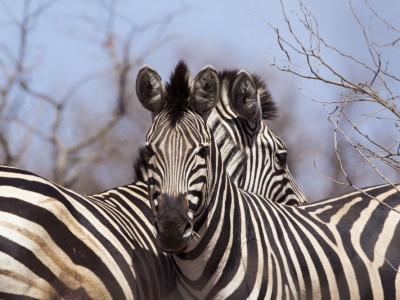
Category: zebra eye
<point>149,151</point>
<point>281,158</point>
<point>202,152</point>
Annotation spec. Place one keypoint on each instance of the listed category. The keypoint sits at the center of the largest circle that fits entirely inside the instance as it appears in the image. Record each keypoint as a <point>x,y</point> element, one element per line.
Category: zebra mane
<point>178,90</point>
<point>268,106</point>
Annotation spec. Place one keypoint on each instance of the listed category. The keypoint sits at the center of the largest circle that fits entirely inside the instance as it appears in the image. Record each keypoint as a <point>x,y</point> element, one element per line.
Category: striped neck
<point>198,276</point>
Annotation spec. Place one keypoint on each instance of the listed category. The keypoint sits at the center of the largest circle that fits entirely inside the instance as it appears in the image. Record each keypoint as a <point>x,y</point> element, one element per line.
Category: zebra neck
<point>223,243</point>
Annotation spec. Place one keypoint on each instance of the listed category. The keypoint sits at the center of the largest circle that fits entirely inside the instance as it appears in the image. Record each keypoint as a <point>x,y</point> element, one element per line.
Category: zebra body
<point>227,243</point>
<point>58,244</point>
<point>341,248</point>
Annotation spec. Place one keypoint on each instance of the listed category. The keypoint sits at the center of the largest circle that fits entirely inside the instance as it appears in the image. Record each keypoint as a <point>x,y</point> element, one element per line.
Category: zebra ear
<point>245,99</point>
<point>150,89</point>
<point>205,91</point>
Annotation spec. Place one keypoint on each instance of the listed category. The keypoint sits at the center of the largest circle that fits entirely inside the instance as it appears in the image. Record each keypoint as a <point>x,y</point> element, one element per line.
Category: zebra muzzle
<point>173,224</point>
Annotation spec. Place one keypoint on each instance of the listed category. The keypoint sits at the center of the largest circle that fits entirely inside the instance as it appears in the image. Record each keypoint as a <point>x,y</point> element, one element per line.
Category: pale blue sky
<point>228,34</point>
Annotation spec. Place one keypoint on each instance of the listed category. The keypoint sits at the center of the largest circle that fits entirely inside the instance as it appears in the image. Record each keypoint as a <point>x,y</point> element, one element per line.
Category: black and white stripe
<point>249,247</point>
<point>58,244</point>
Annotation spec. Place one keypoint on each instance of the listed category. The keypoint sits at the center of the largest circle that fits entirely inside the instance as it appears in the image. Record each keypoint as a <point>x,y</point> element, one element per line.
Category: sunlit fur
<point>249,247</point>
<point>57,244</point>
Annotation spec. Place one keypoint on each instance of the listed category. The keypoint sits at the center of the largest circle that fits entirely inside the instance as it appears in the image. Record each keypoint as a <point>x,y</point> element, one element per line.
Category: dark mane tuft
<point>268,106</point>
<point>178,89</point>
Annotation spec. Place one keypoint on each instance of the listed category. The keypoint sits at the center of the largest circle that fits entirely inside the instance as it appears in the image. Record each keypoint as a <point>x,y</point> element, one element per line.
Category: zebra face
<point>177,180</point>
<point>178,151</point>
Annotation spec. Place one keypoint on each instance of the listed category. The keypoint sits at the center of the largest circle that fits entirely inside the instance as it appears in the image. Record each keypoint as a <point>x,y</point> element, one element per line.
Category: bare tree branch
<point>306,54</point>
<point>19,91</point>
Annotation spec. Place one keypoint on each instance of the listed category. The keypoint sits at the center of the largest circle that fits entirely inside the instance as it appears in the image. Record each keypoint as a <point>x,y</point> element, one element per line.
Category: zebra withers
<point>226,242</point>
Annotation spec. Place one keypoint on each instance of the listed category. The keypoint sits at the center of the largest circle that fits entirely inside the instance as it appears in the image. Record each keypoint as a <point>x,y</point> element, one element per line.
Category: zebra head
<point>178,150</point>
<point>244,103</point>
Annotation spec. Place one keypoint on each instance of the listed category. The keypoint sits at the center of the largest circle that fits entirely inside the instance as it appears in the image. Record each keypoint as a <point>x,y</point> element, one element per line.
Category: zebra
<point>227,243</point>
<point>244,103</point>
<point>56,243</point>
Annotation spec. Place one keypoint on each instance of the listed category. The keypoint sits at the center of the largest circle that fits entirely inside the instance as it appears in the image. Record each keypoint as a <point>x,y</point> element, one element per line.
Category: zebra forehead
<point>190,129</point>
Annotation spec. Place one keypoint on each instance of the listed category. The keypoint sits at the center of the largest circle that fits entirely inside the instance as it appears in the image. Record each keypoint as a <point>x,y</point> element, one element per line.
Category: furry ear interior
<point>150,89</point>
<point>245,99</point>
<point>205,91</point>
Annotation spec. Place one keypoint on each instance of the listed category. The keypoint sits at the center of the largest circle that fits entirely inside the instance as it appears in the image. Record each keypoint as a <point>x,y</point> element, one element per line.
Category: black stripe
<point>57,229</point>
<point>373,229</point>
<point>389,270</point>
<point>235,252</point>
<point>291,239</point>
<point>78,252</point>
<point>9,296</point>
<point>343,227</point>
<point>199,179</point>
<point>29,260</point>
<point>252,252</point>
